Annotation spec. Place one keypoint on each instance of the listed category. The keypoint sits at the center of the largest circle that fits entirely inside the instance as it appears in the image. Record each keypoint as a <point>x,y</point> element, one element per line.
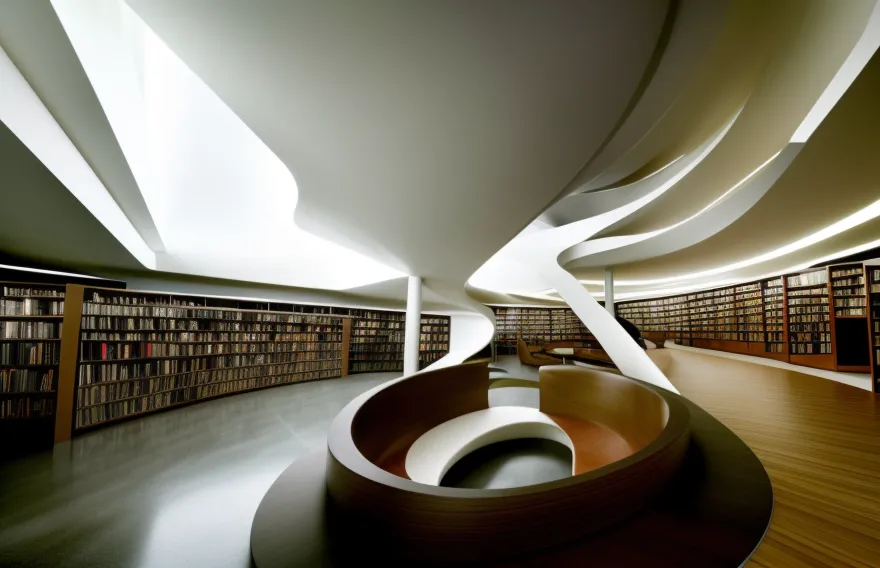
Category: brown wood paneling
<point>816,361</point>
<point>638,414</point>
<point>449,524</point>
<point>395,417</point>
<point>73,303</point>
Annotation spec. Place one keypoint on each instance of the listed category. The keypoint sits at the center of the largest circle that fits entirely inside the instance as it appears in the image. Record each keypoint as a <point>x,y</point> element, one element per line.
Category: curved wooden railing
<point>369,439</point>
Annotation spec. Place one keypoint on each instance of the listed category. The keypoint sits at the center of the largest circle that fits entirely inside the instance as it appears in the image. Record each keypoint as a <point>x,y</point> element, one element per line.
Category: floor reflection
<point>174,489</point>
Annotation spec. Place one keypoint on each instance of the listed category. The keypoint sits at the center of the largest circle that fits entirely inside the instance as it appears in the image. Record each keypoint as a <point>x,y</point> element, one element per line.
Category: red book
<point>103,351</point>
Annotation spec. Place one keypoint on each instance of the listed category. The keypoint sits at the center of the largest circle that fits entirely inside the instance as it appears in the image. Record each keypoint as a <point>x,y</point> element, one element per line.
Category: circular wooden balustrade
<point>353,502</point>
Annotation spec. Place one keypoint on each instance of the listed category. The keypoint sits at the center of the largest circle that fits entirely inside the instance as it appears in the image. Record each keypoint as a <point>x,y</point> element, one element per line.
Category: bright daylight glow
<point>26,116</point>
<point>222,201</point>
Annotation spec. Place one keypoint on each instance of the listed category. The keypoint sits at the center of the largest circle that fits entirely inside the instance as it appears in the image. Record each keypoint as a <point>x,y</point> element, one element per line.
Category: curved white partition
<point>438,449</point>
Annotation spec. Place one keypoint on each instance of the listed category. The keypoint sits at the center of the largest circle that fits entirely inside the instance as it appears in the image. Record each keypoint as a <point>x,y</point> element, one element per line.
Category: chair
<point>526,357</point>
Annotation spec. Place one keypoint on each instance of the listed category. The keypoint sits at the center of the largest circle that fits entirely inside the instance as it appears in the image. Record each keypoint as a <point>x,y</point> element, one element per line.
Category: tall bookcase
<point>31,318</point>
<point>433,340</point>
<point>810,335</point>
<point>818,318</point>
<point>75,356</point>
<point>849,319</point>
<point>775,330</point>
<point>377,339</point>
<point>872,273</point>
<point>537,326</point>
<point>143,352</point>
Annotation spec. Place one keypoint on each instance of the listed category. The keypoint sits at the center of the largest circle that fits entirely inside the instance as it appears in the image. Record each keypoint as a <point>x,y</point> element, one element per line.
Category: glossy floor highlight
<point>179,488</point>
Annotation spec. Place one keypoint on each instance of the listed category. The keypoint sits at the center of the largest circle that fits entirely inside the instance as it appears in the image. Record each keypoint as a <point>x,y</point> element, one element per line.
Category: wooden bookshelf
<point>143,352</point>
<point>31,316</point>
<point>849,320</point>
<point>872,274</point>
<point>377,339</point>
<point>433,339</point>
<point>749,309</point>
<point>537,326</point>
<point>810,334</point>
<point>775,330</point>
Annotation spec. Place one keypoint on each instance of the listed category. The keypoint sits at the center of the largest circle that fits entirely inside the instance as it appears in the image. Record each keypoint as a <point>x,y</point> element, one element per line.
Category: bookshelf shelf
<point>816,318</point>
<point>28,364</point>
<point>538,326</point>
<point>872,273</point>
<point>433,339</point>
<point>125,354</point>
<point>109,387</point>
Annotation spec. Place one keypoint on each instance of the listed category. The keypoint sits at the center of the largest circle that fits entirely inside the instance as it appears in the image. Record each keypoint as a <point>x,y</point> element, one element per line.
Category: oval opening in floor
<point>512,463</point>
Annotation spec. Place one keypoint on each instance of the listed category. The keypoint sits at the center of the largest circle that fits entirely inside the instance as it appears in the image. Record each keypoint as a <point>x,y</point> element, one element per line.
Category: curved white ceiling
<point>419,138</point>
<point>698,210</point>
<point>424,134</point>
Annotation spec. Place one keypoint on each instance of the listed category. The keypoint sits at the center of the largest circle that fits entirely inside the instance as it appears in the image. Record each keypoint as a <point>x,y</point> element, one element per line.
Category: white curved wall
<point>438,449</point>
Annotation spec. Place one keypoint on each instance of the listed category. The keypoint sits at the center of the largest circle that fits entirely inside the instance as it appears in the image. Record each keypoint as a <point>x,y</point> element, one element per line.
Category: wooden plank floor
<point>818,440</point>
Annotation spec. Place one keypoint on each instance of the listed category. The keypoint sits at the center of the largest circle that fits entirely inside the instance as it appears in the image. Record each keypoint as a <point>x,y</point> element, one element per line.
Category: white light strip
<point>41,271</point>
<point>862,216</point>
<point>733,281</point>
<point>855,62</point>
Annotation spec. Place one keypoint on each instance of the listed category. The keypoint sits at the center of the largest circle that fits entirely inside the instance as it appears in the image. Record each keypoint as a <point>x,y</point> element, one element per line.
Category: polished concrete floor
<point>513,463</point>
<point>175,489</point>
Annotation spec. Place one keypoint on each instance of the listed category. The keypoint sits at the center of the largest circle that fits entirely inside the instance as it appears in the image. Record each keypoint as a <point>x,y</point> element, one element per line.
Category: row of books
<point>23,353</point>
<point>807,301</point>
<point>31,307</point>
<point>26,407</point>
<point>377,356</point>
<point>361,315</point>
<point>107,351</point>
<point>814,278</point>
<point>444,337</point>
<point>375,348</point>
<point>810,349</point>
<point>32,292</point>
<point>118,324</point>
<point>809,326</point>
<point>808,313</point>
<point>29,330</point>
<point>208,336</point>
<point>848,292</point>
<point>379,324</point>
<point>26,380</point>
<point>102,393</point>
<point>113,410</point>
<point>850,302</point>
<point>844,272</point>
<point>221,314</point>
<point>376,366</point>
<point>89,373</point>
<point>809,337</point>
<point>854,282</point>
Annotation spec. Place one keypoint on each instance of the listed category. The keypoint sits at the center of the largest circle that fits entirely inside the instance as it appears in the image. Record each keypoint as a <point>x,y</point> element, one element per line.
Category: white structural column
<point>609,290</point>
<point>413,325</point>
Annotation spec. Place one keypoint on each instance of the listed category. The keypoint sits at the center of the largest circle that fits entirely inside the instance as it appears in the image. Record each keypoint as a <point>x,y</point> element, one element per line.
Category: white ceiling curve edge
<point>222,201</point>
